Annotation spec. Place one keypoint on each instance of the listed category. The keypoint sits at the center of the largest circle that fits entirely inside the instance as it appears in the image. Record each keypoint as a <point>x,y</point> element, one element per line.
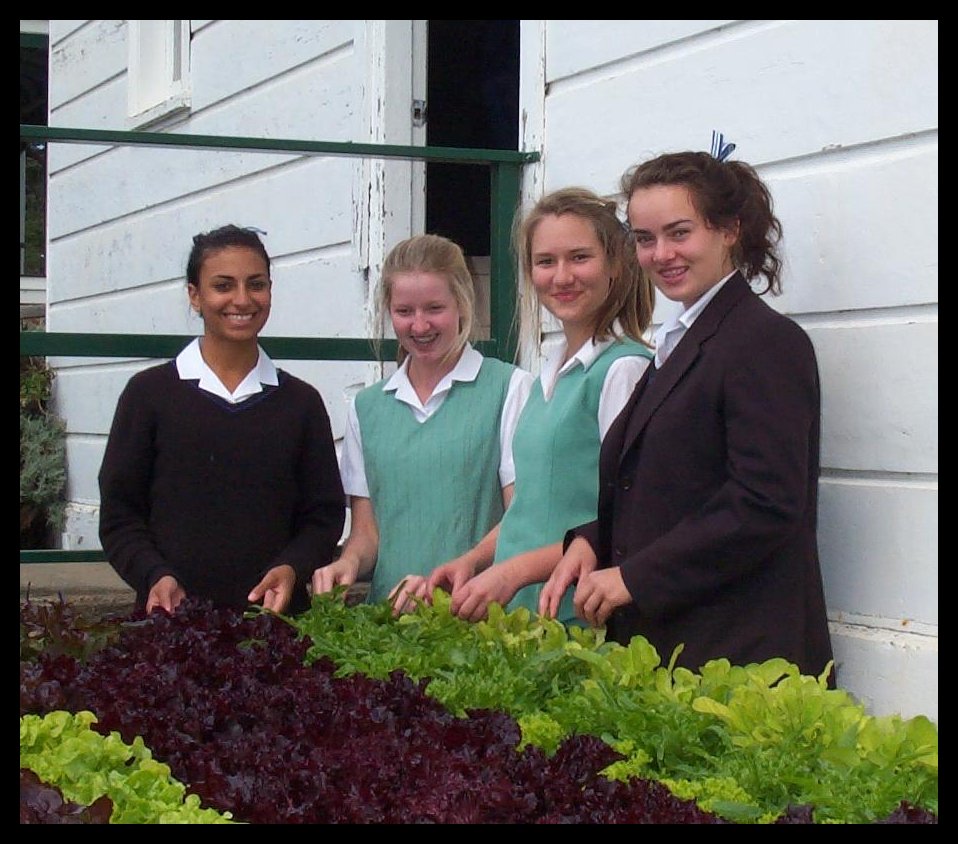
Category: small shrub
<point>43,471</point>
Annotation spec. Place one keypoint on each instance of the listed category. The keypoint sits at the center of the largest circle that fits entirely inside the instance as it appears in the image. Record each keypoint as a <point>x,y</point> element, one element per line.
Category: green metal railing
<point>505,168</point>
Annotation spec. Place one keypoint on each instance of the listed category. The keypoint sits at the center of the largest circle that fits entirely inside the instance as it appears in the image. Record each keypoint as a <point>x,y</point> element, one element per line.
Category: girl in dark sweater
<point>220,478</point>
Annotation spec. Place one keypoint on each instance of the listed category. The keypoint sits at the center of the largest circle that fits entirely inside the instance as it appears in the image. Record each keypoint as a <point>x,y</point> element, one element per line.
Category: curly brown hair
<point>728,194</point>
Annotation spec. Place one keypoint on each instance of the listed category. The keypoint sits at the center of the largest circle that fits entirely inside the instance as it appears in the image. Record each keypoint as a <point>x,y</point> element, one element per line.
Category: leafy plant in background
<point>42,456</point>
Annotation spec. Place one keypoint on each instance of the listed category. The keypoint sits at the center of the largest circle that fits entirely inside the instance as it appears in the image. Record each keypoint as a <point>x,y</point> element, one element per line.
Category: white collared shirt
<point>619,383</point>
<point>669,333</point>
<point>190,365</point>
<point>352,466</point>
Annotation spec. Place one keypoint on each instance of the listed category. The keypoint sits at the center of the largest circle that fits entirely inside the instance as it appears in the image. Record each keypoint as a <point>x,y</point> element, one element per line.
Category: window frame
<point>158,82</point>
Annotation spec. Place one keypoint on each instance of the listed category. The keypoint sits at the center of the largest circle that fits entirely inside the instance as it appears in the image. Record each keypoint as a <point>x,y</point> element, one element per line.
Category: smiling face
<point>682,254</point>
<point>233,295</point>
<point>570,273</point>
<point>425,317</point>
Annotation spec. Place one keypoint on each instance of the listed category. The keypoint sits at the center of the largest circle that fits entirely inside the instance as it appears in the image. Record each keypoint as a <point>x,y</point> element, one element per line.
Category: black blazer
<point>708,493</point>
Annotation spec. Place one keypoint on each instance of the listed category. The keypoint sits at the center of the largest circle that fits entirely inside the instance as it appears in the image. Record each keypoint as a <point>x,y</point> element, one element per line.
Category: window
<point>159,71</point>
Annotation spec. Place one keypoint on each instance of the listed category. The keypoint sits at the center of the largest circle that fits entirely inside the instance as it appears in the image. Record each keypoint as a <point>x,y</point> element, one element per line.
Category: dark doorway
<point>472,100</point>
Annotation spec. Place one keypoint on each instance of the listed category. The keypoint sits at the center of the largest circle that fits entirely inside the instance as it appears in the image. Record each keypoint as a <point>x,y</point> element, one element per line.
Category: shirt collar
<point>692,314</point>
<point>586,355</point>
<point>685,319</point>
<point>466,369</point>
<point>191,366</point>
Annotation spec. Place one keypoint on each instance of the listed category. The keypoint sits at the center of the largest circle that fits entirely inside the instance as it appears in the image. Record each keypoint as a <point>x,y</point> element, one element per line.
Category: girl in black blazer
<point>705,539</point>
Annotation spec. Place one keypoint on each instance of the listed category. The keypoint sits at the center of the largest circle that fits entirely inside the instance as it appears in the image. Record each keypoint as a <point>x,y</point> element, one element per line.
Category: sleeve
<point>520,385</point>
<point>619,383</point>
<point>589,532</point>
<point>352,465</point>
<point>124,479</point>
<point>321,510</point>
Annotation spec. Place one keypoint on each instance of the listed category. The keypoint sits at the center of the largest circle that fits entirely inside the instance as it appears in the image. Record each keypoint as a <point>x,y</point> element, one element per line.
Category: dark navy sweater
<point>214,493</point>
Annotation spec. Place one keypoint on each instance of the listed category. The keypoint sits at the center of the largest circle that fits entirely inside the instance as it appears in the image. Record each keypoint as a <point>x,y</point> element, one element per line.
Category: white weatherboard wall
<point>122,217</point>
<point>841,120</point>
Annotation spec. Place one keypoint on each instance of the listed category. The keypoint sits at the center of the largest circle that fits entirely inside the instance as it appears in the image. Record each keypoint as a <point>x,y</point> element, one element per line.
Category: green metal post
<point>503,290</point>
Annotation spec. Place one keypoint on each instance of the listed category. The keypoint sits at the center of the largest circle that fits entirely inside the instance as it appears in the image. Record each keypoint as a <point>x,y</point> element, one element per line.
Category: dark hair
<point>728,195</point>
<point>206,243</point>
<point>631,295</point>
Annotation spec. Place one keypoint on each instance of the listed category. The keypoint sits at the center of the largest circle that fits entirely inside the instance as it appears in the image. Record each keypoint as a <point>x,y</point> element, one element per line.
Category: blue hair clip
<point>255,230</point>
<point>720,149</point>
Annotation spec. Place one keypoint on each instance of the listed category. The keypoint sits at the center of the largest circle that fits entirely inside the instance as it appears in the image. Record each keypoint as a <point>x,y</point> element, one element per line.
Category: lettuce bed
<point>271,720</point>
